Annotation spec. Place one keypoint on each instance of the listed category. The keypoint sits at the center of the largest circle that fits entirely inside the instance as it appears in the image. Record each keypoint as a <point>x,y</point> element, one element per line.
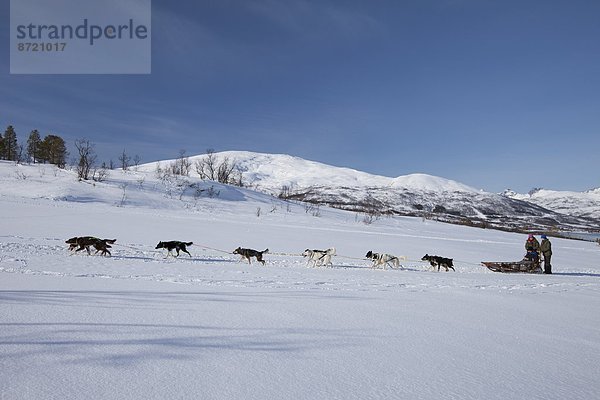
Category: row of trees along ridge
<point>51,149</point>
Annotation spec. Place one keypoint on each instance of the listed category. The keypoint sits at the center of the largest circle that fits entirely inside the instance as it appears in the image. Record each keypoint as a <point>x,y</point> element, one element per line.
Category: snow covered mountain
<point>421,195</point>
<point>581,204</point>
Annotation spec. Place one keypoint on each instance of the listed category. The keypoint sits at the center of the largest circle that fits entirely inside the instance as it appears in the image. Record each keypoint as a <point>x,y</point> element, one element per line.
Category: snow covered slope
<point>122,189</point>
<point>273,171</point>
<point>412,195</point>
<point>141,326</point>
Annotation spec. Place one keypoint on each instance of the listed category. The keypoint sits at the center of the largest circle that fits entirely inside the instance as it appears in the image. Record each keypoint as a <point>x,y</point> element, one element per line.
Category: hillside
<point>418,195</point>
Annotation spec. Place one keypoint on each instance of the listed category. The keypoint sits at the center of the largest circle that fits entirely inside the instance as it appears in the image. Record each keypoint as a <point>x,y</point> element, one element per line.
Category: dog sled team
<point>314,258</point>
<point>531,262</point>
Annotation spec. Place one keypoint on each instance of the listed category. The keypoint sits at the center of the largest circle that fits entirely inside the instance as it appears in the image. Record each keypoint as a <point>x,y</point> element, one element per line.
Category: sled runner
<point>524,266</point>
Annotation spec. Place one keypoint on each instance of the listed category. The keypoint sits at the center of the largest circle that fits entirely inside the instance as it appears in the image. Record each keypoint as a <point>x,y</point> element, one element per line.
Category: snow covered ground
<point>138,325</point>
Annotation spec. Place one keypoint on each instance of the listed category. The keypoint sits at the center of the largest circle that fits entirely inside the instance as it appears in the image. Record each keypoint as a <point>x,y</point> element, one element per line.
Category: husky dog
<point>174,245</point>
<point>79,243</point>
<point>248,253</point>
<point>384,260</point>
<point>436,261</point>
<point>319,257</point>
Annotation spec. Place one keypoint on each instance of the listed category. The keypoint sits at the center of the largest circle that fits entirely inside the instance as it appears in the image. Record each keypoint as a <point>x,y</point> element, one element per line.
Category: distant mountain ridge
<point>423,195</point>
<point>582,204</point>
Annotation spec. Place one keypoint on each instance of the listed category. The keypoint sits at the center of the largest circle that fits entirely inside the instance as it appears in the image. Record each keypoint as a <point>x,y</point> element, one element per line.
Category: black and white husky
<point>174,245</point>
<point>384,260</point>
<point>436,261</point>
<point>319,257</point>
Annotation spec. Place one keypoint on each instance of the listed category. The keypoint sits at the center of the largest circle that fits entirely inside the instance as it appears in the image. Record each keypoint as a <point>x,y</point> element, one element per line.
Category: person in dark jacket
<point>546,249</point>
<point>533,248</point>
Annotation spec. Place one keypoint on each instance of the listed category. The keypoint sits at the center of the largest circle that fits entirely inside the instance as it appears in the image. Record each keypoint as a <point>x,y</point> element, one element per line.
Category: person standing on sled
<point>546,249</point>
<point>533,249</point>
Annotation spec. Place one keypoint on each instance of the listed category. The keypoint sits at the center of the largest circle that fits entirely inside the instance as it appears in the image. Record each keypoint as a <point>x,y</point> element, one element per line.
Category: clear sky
<point>495,94</point>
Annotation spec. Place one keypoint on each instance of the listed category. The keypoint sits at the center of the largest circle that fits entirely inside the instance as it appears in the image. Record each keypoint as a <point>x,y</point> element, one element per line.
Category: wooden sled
<point>523,266</point>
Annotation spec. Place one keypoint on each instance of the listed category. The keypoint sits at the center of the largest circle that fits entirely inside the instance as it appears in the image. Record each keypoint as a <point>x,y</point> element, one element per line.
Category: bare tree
<point>223,171</point>
<point>87,158</point>
<point>285,192</point>
<point>124,159</point>
<point>207,166</point>
<point>20,154</point>
<point>100,174</point>
<point>182,165</point>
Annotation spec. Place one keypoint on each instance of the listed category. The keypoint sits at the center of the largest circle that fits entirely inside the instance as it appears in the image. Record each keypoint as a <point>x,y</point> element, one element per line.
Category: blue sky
<point>494,94</point>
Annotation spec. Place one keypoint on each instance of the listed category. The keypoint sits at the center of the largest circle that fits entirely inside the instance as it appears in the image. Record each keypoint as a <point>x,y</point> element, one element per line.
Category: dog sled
<point>524,266</point>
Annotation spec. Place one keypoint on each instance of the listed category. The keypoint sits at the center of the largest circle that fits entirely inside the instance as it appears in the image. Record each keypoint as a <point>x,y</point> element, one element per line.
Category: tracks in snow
<point>51,257</point>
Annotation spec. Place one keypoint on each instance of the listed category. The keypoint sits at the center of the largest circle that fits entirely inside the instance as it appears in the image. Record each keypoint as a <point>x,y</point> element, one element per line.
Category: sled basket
<point>523,266</point>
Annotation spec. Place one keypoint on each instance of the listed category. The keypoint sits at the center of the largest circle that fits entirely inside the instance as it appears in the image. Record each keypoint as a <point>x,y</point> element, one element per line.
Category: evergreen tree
<point>54,151</point>
<point>34,146</point>
<point>11,151</point>
<point>1,147</point>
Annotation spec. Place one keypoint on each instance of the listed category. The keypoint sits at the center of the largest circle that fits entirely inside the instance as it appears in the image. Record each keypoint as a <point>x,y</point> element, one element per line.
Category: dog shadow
<point>190,259</point>
<point>208,260</point>
<point>199,260</point>
<point>141,258</point>
<point>367,267</point>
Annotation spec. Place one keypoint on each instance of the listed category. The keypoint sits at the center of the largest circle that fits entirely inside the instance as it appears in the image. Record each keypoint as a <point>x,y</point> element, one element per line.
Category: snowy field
<point>138,325</point>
